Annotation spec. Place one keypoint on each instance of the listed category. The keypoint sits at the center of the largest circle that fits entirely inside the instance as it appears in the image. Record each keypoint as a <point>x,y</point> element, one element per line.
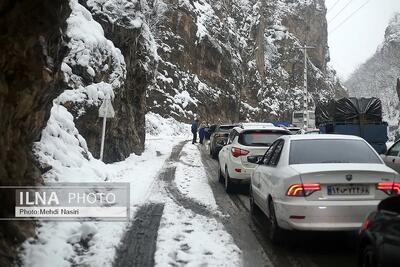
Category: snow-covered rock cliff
<point>237,60</point>
<point>377,77</point>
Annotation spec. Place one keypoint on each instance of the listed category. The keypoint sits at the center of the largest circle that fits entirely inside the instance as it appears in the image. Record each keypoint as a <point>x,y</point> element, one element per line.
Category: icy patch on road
<point>189,239</point>
<point>191,178</point>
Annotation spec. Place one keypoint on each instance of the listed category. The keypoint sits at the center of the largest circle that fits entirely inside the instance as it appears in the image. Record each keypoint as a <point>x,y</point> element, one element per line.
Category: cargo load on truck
<point>354,116</point>
<point>350,110</point>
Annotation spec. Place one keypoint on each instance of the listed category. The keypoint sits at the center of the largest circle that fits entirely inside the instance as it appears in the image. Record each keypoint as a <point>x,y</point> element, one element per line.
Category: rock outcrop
<point>32,48</point>
<point>377,77</point>
<point>123,24</point>
<point>110,57</point>
<point>238,60</point>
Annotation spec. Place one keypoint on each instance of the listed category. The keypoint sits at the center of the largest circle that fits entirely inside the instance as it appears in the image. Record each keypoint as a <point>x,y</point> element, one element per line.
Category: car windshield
<point>225,128</point>
<point>260,137</point>
<point>331,151</point>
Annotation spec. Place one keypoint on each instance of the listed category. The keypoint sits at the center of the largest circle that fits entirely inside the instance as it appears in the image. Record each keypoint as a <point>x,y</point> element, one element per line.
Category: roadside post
<point>106,110</point>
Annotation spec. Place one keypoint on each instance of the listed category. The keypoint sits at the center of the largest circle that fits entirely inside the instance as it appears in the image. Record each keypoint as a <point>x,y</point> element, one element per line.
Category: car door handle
<point>393,160</point>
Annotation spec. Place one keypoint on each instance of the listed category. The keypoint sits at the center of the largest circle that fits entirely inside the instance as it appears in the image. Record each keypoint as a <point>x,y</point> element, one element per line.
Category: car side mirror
<point>254,159</point>
<point>221,142</point>
<point>385,150</point>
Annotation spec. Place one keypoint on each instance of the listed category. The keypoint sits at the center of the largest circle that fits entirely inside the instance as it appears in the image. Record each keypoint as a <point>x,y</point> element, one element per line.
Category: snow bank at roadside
<point>62,148</point>
<point>191,178</point>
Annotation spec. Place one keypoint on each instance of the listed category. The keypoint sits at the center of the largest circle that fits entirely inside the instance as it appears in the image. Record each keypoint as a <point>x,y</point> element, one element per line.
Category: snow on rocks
<point>94,54</point>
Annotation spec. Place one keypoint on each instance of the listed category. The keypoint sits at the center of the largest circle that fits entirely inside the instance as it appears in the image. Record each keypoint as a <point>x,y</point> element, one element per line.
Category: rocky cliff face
<point>237,60</point>
<point>377,77</point>
<point>111,58</point>
<point>32,48</point>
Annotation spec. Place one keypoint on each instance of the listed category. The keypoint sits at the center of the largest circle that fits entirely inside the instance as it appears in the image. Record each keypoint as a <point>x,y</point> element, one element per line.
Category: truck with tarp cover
<point>354,116</point>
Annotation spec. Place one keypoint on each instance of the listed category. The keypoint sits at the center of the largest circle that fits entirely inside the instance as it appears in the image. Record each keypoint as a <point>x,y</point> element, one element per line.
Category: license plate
<point>340,190</point>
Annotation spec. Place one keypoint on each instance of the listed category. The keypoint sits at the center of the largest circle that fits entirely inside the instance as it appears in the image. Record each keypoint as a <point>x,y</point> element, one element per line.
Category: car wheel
<point>368,257</point>
<point>254,209</point>
<point>228,182</point>
<point>245,189</point>
<point>275,232</point>
<point>214,154</point>
<point>220,175</point>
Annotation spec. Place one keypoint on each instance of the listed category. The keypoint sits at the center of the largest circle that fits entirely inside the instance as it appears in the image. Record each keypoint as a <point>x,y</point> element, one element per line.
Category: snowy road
<point>191,221</point>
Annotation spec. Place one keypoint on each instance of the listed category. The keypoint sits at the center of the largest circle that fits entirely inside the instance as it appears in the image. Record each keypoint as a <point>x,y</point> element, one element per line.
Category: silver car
<point>392,157</point>
<point>320,182</point>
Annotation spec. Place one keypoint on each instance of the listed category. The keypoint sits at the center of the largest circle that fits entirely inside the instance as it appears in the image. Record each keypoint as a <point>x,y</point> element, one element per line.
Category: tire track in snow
<point>168,176</point>
<point>139,243</point>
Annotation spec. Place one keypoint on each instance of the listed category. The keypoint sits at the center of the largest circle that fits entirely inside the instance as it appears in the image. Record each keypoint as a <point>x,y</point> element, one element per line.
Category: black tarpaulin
<point>351,110</point>
<point>324,112</point>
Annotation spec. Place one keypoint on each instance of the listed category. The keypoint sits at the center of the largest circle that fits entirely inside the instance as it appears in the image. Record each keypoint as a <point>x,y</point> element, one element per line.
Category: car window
<point>212,128</point>
<point>394,150</point>
<point>331,151</point>
<point>260,137</point>
<point>276,154</point>
<point>268,154</point>
<point>225,128</point>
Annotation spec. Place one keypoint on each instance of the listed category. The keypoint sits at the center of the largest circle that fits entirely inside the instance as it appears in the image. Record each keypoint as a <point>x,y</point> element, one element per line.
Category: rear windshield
<point>331,151</point>
<point>260,137</point>
<point>298,115</point>
<point>226,127</point>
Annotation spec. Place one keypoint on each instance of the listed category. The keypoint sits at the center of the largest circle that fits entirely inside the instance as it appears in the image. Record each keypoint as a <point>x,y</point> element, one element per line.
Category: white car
<point>320,182</point>
<point>244,142</point>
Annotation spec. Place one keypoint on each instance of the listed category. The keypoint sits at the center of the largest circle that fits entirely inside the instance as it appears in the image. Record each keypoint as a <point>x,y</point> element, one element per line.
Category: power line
<point>337,14</point>
<point>352,14</point>
<point>333,6</point>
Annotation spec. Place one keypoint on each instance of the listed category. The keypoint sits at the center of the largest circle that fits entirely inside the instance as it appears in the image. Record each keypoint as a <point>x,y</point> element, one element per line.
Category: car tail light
<point>365,224</point>
<point>389,188</point>
<point>237,152</point>
<point>302,190</point>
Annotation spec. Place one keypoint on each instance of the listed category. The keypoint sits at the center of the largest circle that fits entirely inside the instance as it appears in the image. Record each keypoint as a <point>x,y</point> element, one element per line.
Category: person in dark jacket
<point>195,126</point>
<point>202,132</point>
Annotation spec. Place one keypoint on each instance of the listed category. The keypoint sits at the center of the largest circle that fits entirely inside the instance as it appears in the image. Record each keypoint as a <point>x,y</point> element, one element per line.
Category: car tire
<point>221,178</point>
<point>245,189</point>
<point>214,154</point>
<point>228,182</point>
<point>254,209</point>
<point>368,257</point>
<point>275,233</point>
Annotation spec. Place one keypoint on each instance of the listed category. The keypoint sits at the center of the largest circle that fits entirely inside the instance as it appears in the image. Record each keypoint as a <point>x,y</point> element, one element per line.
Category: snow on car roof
<point>259,127</point>
<point>320,136</point>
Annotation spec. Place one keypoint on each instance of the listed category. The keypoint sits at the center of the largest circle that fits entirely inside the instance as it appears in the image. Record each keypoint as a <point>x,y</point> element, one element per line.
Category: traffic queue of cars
<point>316,182</point>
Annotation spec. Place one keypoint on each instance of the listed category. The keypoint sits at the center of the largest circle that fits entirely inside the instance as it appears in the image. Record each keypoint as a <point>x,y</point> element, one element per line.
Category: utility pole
<point>305,88</point>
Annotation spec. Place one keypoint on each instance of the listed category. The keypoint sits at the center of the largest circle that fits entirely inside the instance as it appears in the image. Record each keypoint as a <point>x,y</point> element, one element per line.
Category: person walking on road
<point>202,131</point>
<point>195,126</point>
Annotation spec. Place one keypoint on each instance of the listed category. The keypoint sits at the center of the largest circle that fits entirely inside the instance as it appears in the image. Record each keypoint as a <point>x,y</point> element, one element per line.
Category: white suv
<point>249,140</point>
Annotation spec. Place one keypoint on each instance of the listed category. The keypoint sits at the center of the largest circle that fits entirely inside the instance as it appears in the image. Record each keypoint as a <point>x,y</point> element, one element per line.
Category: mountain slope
<point>378,75</point>
<point>237,60</point>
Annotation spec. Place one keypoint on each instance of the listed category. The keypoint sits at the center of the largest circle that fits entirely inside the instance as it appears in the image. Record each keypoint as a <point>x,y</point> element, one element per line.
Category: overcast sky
<point>358,38</point>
